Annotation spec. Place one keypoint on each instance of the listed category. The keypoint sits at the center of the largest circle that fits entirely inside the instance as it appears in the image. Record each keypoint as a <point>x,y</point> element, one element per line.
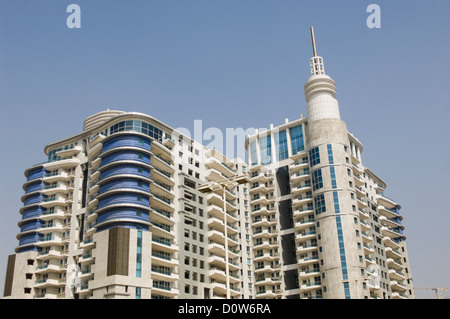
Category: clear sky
<point>238,63</point>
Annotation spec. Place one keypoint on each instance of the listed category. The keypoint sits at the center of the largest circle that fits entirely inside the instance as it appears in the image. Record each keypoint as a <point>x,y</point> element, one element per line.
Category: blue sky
<point>238,64</point>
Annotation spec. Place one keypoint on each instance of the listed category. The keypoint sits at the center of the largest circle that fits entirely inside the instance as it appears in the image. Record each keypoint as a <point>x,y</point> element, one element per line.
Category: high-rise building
<point>322,226</point>
<point>130,208</point>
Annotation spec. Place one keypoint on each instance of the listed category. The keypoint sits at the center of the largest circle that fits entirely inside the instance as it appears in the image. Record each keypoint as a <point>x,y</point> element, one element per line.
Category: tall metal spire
<point>313,38</point>
<point>316,62</point>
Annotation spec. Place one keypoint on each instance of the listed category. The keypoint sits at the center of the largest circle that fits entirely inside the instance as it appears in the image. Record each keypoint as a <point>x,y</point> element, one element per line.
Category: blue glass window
<point>137,126</point>
<point>281,145</point>
<point>314,156</point>
<point>330,154</point>
<point>253,153</point>
<point>317,179</point>
<point>139,254</point>
<point>266,150</point>
<point>319,204</point>
<point>297,142</point>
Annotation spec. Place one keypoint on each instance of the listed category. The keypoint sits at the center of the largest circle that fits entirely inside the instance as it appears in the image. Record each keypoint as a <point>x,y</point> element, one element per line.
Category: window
<point>266,150</point>
<point>319,204</point>
<point>317,179</point>
<point>253,153</point>
<point>333,177</point>
<point>330,154</point>
<point>281,145</point>
<point>314,156</point>
<point>297,139</point>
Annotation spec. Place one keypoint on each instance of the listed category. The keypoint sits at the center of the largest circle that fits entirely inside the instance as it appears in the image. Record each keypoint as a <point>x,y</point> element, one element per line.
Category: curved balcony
<point>386,202</point>
<point>219,166</point>
<point>394,263</point>
<point>395,274</point>
<point>52,253</point>
<point>63,163</point>
<point>395,233</point>
<point>391,222</point>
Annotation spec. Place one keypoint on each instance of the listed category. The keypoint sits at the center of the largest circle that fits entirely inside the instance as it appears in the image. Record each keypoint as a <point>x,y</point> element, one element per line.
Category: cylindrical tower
<point>334,201</point>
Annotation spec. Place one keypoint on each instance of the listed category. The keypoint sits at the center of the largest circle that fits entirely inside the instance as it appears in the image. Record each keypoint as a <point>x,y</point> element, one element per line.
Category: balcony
<point>49,268</point>
<point>49,282</point>
<point>302,262</point>
<point>302,236</point>
<point>364,226</point>
<point>161,149</point>
<point>164,274</point>
<point>161,176</point>
<point>394,264</point>
<point>306,248</point>
<point>310,286</point>
<point>58,176</point>
<point>368,250</point>
<point>266,256</point>
<point>386,202</point>
<point>163,259</point>
<point>298,177</point>
<point>397,295</point>
<point>361,203</point>
<point>55,214</point>
<point>56,201</point>
<point>304,223</point>
<point>395,274</point>
<point>54,189</point>
<point>213,175</point>
<point>49,228</point>
<point>395,233</point>
<point>217,274</point>
<point>63,163</point>
<point>300,189</point>
<point>269,293</point>
<point>389,242</point>
<point>68,152</point>
<point>221,167</point>
<point>260,200</point>
<point>298,165</point>
<point>301,200</point>
<point>388,212</point>
<point>261,178</point>
<point>52,254</point>
<point>309,272</point>
<point>53,240</point>
<point>391,222</point>
<point>162,163</point>
<point>363,215</point>
<point>393,253</point>
<point>398,286</point>
<point>169,142</point>
<point>301,212</point>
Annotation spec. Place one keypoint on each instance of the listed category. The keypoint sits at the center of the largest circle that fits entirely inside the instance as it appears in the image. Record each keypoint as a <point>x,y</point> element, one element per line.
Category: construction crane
<point>436,290</point>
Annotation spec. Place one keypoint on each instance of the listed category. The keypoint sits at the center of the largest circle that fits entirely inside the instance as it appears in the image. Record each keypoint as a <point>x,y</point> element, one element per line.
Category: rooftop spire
<point>316,62</point>
<point>313,38</point>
